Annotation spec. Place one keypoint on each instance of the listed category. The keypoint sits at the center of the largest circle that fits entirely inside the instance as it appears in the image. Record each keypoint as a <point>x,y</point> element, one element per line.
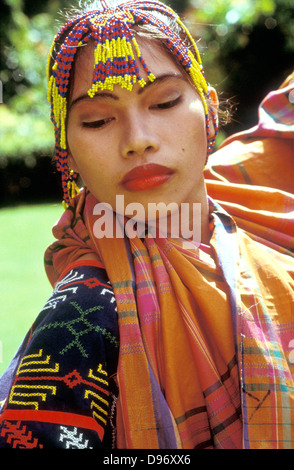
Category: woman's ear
<point>71,162</point>
<point>213,105</point>
<point>213,96</point>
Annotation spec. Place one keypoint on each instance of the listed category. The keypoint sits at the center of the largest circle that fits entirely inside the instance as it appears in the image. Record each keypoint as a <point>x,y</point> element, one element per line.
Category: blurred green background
<point>247,48</point>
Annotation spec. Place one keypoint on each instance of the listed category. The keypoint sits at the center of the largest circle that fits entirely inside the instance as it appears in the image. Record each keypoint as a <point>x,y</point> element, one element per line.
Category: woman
<point>152,338</point>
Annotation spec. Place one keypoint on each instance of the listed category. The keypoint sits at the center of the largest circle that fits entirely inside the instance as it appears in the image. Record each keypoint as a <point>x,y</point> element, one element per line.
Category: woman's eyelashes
<point>167,104</point>
<point>97,124</point>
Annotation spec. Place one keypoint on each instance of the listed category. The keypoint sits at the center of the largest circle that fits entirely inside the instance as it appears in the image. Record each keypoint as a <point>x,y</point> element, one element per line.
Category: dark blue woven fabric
<point>60,390</point>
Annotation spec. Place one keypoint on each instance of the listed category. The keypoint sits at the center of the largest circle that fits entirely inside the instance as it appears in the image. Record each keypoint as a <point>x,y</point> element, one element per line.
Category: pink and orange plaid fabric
<point>205,337</point>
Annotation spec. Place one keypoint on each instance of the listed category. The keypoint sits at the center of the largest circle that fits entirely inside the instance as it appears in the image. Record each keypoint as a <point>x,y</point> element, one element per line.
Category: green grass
<point>24,288</point>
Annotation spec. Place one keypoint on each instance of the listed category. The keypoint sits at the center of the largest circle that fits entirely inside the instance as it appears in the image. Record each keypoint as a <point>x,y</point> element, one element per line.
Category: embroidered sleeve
<point>61,388</point>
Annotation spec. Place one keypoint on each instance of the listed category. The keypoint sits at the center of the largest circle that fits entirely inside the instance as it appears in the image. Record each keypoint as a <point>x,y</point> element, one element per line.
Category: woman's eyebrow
<point>104,94</point>
<point>162,78</point>
<point>85,96</point>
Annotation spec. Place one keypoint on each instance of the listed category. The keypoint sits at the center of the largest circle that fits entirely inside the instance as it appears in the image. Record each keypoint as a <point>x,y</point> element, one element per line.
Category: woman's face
<point>148,145</point>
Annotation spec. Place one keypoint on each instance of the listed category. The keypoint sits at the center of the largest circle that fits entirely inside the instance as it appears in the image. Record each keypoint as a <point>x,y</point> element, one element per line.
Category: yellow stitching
<point>101,371</point>
<point>25,363</point>
<point>36,394</point>
<point>89,392</point>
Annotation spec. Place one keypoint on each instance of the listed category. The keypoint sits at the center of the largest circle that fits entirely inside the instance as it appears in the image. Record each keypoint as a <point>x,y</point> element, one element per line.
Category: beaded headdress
<point>115,47</point>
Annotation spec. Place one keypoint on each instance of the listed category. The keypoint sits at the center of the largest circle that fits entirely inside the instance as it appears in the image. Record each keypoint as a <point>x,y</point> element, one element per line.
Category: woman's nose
<point>138,138</point>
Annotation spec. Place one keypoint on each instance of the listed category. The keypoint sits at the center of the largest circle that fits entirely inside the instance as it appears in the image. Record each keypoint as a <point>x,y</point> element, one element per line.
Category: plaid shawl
<point>205,341</point>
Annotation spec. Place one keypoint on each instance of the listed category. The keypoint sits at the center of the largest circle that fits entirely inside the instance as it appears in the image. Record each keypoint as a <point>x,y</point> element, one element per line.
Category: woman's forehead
<point>157,59</point>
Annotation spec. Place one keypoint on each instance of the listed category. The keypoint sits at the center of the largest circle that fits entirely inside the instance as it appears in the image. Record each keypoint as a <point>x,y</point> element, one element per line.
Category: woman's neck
<point>190,221</point>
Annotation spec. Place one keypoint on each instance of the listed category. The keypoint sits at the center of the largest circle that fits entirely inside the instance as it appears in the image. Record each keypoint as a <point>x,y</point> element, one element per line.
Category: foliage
<point>247,48</point>
<point>27,29</point>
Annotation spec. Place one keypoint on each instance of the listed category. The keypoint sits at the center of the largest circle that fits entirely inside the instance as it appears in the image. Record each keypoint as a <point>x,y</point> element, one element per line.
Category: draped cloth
<point>204,337</point>
<point>252,174</point>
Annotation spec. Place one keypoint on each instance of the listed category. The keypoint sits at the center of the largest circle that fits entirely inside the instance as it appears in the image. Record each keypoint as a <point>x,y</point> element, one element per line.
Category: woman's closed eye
<point>167,104</point>
<point>97,124</point>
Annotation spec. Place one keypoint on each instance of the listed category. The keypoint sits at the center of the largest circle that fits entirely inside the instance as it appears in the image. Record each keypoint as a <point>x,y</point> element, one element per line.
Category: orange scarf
<point>188,322</point>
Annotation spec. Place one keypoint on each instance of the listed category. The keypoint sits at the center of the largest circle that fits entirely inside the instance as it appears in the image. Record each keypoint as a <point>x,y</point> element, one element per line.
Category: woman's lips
<point>146,177</point>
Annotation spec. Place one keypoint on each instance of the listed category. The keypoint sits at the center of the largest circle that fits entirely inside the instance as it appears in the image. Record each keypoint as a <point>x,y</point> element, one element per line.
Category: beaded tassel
<point>115,62</point>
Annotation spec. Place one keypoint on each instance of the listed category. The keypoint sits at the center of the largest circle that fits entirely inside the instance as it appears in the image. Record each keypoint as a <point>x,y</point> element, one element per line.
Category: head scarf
<point>116,56</point>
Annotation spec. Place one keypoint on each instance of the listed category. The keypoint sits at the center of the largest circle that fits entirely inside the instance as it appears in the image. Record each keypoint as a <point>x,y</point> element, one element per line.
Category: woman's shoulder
<point>80,314</point>
<point>64,374</point>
